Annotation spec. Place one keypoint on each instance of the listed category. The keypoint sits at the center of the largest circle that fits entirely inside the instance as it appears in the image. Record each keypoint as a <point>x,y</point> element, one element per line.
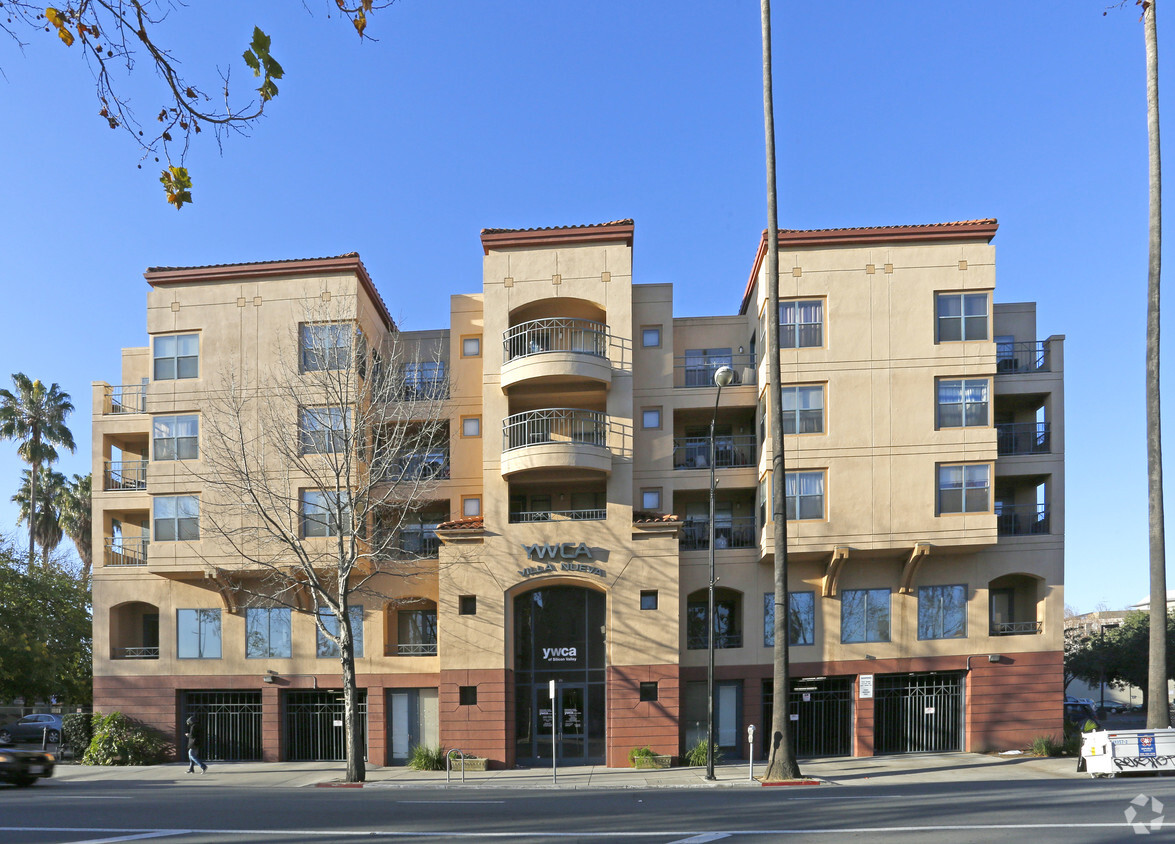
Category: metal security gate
<point>822,710</point>
<point>314,725</point>
<point>232,724</point>
<point>918,713</point>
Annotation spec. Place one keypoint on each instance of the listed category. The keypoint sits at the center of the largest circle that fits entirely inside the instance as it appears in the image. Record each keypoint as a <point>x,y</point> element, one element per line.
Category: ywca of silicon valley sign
<point>566,553</point>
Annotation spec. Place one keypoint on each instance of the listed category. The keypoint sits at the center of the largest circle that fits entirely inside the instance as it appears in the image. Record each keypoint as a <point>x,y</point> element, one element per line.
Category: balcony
<point>414,649</point>
<point>124,475</point>
<point>698,371</point>
<point>1023,438</point>
<point>556,347</point>
<point>126,552</point>
<point>415,466</point>
<point>555,438</point>
<point>124,399</point>
<point>1016,628</point>
<point>737,532</point>
<point>729,452</point>
<point>528,516</point>
<point>136,653</point>
<point>721,640</point>
<point>1022,520</point>
<point>1015,358</point>
<point>412,543</point>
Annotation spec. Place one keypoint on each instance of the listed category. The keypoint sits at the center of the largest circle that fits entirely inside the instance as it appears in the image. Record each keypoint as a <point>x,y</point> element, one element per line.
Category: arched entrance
<point>559,635</point>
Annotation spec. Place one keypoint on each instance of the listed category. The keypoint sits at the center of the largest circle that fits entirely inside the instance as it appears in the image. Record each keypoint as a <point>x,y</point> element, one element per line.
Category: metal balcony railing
<point>555,425</point>
<point>124,475</point>
<point>729,452</point>
<point>406,544</point>
<point>1022,520</point>
<point>539,336</point>
<point>415,649</point>
<point>525,516</point>
<point>698,371</point>
<point>1023,438</point>
<point>1015,628</point>
<point>721,640</point>
<point>126,552</point>
<point>125,398</point>
<point>418,466</point>
<point>728,533</point>
<point>137,653</point>
<point>1015,358</point>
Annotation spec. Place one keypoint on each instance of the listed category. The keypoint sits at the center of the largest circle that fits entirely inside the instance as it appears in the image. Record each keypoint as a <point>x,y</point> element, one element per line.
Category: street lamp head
<point>723,376</point>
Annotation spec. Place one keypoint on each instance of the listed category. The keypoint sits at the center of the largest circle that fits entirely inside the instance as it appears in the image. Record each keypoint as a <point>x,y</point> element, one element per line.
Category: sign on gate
<point>865,686</point>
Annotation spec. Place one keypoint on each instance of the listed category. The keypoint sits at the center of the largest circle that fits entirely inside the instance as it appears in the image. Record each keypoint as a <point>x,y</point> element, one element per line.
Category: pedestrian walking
<point>195,736</point>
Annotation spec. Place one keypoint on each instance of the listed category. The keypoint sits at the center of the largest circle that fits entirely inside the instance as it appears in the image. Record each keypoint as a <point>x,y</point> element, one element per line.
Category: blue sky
<point>525,113</point>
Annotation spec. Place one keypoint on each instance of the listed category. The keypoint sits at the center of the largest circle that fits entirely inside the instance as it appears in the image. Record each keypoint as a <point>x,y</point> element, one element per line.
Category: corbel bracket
<point>839,554</point>
<point>910,569</point>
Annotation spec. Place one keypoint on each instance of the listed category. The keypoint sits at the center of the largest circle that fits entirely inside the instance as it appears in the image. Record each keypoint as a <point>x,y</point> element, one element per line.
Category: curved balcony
<point>556,347</point>
<point>555,438</point>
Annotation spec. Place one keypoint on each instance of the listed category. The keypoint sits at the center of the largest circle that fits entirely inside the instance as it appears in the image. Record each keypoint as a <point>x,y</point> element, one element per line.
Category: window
<point>701,364</point>
<point>648,599</point>
<point>801,324</point>
<point>651,336</point>
<point>803,410</point>
<point>177,356</point>
<point>804,496</point>
<point>197,634</point>
<point>177,517</point>
<point>470,506</point>
<point>727,620</point>
<point>964,488</point>
<point>942,612</point>
<point>651,417</point>
<point>416,632</point>
<point>326,647</point>
<point>323,430</point>
<point>651,500</point>
<point>470,347</point>
<point>961,316</point>
<point>321,514</point>
<point>864,615</point>
<point>175,437</point>
<point>424,380</point>
<point>962,403</point>
<point>267,633</point>
<point>801,613</point>
<point>467,695</point>
<point>648,691</point>
<point>467,605</point>
<point>325,346</point>
<point>471,426</point>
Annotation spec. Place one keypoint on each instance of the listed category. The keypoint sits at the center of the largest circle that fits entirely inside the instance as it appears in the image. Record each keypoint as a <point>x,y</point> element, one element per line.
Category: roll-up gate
<point>822,710</point>
<point>232,724</point>
<point>918,713</point>
<point>314,725</point>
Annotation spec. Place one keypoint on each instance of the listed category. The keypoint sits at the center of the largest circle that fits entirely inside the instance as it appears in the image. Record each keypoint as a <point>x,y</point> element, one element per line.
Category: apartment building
<point>567,529</point>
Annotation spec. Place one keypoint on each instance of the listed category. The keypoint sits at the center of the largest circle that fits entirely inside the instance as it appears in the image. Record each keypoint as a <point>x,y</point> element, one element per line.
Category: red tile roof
<point>621,230</point>
<point>644,517</point>
<point>467,523</point>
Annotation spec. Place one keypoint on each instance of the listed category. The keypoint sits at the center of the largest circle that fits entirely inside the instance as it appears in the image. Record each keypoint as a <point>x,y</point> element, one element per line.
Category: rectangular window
<point>416,632</point>
<point>961,316</point>
<point>470,347</point>
<point>467,605</point>
<point>964,488</point>
<point>175,437</point>
<point>323,430</point>
<point>804,493</point>
<point>197,634</point>
<point>962,403</point>
<point>651,336</point>
<point>803,409</point>
<point>322,515</point>
<point>648,691</point>
<point>424,380</point>
<point>267,633</point>
<point>864,615</point>
<point>471,426</point>
<point>701,364</point>
<point>651,418</point>
<point>326,647</point>
<point>177,356</point>
<point>651,500</point>
<point>467,695</point>
<point>942,612</point>
<point>801,616</point>
<point>801,323</point>
<point>177,517</point>
<point>325,346</point>
<point>470,506</point>
<point>648,599</point>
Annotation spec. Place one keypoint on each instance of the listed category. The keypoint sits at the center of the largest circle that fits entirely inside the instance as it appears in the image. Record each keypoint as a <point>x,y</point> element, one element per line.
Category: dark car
<point>32,728</point>
<point>1082,716</point>
<point>24,767</point>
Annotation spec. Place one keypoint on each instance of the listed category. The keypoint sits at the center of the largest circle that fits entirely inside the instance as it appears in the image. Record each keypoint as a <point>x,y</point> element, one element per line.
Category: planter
<point>470,763</point>
<point>652,761</point>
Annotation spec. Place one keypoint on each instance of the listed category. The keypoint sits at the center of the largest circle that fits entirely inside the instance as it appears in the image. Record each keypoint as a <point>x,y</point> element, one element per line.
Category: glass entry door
<point>571,717</point>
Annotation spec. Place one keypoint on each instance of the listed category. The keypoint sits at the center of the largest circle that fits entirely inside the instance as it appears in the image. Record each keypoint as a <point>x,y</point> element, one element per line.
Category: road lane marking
<point>702,839</point>
<point>161,834</point>
<point>453,802</point>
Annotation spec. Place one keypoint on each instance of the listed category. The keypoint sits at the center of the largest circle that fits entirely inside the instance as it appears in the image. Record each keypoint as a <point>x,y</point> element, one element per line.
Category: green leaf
<point>251,60</point>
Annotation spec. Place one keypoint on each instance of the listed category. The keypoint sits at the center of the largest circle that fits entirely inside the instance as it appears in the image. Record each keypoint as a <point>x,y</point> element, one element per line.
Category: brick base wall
<point>635,723</point>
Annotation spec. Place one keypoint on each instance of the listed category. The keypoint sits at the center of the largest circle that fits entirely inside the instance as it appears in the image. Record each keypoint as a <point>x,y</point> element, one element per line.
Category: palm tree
<point>74,506</point>
<point>35,417</point>
<point>47,524</point>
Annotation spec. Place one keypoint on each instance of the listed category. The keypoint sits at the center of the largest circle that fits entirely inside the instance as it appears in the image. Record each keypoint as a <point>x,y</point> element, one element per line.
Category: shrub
<point>645,752</point>
<point>425,758</point>
<point>120,741</point>
<point>1072,745</point>
<point>79,732</point>
<point>1046,746</point>
<point>696,755</point>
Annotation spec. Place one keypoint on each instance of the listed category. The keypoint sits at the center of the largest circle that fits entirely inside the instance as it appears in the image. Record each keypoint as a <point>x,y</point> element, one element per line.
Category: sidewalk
<point>877,770</point>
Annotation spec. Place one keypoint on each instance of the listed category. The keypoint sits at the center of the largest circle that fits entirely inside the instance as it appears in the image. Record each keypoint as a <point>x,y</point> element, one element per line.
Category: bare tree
<point>317,478</point>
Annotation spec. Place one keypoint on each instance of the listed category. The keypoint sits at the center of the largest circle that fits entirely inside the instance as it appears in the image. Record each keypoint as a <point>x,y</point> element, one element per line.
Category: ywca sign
<point>568,555</point>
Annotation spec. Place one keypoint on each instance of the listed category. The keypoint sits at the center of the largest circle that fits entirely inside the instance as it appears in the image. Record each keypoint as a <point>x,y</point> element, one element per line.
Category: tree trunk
<point>781,760</point>
<point>1157,713</point>
<point>356,765</point>
<point>36,465</point>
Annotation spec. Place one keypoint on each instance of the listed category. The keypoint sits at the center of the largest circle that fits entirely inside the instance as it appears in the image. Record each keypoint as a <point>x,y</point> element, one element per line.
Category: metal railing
<point>737,532</point>
<point>690,371</point>
<point>525,516</point>
<point>137,653</point>
<point>416,649</point>
<point>417,466</point>
<point>729,452</point>
<point>126,552</point>
<point>1015,628</point>
<point>721,640</point>
<point>1014,358</point>
<point>124,475</point>
<point>125,398</point>
<point>1023,520</point>
<point>406,544</point>
<point>557,424</point>
<point>539,336</point>
<point>1023,438</point>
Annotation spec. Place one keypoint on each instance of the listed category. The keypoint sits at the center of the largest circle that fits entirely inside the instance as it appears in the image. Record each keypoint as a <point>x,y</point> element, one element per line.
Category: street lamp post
<point>723,377</point>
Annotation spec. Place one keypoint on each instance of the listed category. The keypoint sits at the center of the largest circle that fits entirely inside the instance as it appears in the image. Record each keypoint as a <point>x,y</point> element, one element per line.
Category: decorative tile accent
<point>241,301</point>
<point>508,281</point>
<point>256,301</point>
<point>175,306</point>
<point>870,269</point>
<point>557,278</point>
<point>326,295</point>
<point>605,277</point>
<point>962,265</point>
<point>889,268</point>
<point>796,272</point>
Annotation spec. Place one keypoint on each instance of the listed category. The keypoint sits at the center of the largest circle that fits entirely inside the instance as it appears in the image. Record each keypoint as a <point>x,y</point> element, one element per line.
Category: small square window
<point>471,506</point>
<point>649,691</point>
<point>467,605</point>
<point>648,599</point>
<point>470,347</point>
<point>651,499</point>
<point>651,417</point>
<point>651,337</point>
<point>467,695</point>
<point>471,426</point>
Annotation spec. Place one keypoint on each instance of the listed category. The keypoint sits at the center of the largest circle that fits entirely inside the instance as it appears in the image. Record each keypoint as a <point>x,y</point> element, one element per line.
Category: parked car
<point>1081,715</point>
<point>32,728</point>
<point>24,767</point>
